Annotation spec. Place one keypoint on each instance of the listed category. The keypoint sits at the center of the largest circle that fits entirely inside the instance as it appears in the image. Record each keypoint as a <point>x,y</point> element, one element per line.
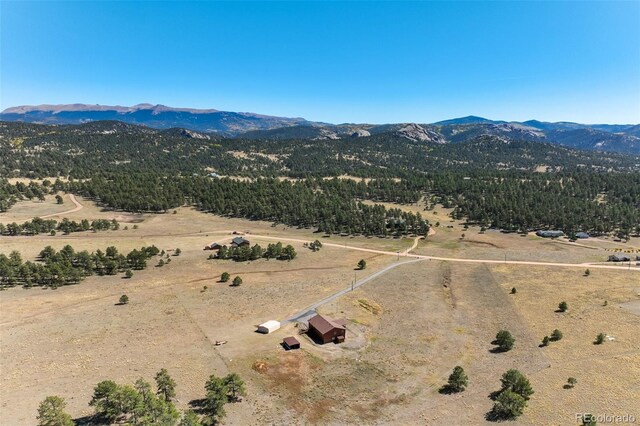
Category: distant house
<point>549,234</point>
<point>324,329</point>
<point>582,235</point>
<point>619,258</point>
<point>290,343</point>
<point>213,246</point>
<point>239,242</point>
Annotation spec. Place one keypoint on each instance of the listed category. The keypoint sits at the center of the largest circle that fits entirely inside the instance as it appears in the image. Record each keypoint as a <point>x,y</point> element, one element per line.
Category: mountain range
<point>623,138</point>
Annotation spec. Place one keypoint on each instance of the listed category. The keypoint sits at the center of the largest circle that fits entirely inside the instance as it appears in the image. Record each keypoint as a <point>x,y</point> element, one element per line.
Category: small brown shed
<point>290,343</point>
<point>324,329</point>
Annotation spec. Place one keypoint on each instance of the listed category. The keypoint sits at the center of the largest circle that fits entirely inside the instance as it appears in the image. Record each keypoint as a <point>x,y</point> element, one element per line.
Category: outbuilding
<point>549,233</point>
<point>582,235</point>
<point>213,246</point>
<point>619,258</point>
<point>268,327</point>
<point>290,343</point>
<point>324,329</point>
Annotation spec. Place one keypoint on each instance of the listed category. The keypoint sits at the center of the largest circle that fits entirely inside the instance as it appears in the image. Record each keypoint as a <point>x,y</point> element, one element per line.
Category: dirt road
<point>406,253</point>
<point>77,207</point>
<point>311,310</point>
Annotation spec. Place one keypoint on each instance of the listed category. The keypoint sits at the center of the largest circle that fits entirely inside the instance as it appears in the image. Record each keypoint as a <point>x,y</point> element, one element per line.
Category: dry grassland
<point>407,329</point>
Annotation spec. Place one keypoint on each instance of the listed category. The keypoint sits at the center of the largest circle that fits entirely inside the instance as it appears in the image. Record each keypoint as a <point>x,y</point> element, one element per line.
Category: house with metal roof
<point>323,329</point>
<point>239,242</point>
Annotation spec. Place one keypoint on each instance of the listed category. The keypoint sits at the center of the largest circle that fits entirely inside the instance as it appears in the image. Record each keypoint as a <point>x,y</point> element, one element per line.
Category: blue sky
<point>331,61</point>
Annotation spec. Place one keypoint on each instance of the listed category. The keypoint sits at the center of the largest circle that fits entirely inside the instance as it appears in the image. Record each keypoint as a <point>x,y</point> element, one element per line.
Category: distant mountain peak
<point>470,119</point>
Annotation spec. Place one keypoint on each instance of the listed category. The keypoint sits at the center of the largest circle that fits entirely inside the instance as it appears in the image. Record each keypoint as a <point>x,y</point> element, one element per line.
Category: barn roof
<point>326,324</point>
<point>239,240</point>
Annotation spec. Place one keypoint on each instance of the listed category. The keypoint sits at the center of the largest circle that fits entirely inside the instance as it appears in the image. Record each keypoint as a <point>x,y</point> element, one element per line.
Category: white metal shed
<point>269,327</point>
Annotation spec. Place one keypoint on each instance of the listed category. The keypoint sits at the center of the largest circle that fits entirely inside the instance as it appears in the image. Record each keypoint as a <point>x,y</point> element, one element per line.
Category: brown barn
<point>324,329</point>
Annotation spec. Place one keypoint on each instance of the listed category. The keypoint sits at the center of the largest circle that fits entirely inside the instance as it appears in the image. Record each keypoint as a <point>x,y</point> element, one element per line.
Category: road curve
<point>77,207</point>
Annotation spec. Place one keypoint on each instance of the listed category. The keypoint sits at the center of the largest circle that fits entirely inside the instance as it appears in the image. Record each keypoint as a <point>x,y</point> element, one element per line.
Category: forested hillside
<point>511,185</point>
<point>80,151</point>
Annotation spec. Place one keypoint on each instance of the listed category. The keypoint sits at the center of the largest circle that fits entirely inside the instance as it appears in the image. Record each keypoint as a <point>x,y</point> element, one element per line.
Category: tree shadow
<point>198,405</point>
<point>87,420</point>
<point>492,416</point>
<point>494,395</point>
<point>498,350</point>
<point>448,390</point>
<point>567,386</point>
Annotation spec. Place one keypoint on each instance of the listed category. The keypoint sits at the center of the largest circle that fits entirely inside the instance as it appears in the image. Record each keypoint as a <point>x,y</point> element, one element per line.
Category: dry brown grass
<point>407,329</point>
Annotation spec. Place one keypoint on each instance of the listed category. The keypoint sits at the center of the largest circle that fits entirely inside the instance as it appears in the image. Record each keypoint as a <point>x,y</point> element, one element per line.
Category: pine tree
<point>166,385</point>
<point>458,380</point>
<point>51,412</point>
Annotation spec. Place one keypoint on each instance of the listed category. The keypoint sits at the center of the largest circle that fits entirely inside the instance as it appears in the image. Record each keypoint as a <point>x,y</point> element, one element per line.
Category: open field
<point>406,329</point>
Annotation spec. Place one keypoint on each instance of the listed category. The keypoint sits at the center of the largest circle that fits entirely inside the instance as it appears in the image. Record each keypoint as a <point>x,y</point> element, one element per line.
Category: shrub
<point>545,341</point>
<point>562,307</point>
<point>513,290</point>
<point>362,264</point>
<point>600,339</point>
<point>225,277</point>
<point>124,299</point>
<point>556,335</point>
<point>128,273</point>
<point>504,340</point>
<point>236,281</point>
<point>571,382</point>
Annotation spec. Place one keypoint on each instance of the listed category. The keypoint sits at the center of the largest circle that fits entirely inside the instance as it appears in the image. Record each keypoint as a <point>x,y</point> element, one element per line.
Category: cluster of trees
<point>140,404</point>
<point>245,253</point>
<point>57,268</point>
<point>306,204</point>
<point>37,226</point>
<point>314,246</point>
<point>572,202</point>
<point>556,335</point>
<point>11,194</point>
<point>509,200</point>
<point>510,400</point>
